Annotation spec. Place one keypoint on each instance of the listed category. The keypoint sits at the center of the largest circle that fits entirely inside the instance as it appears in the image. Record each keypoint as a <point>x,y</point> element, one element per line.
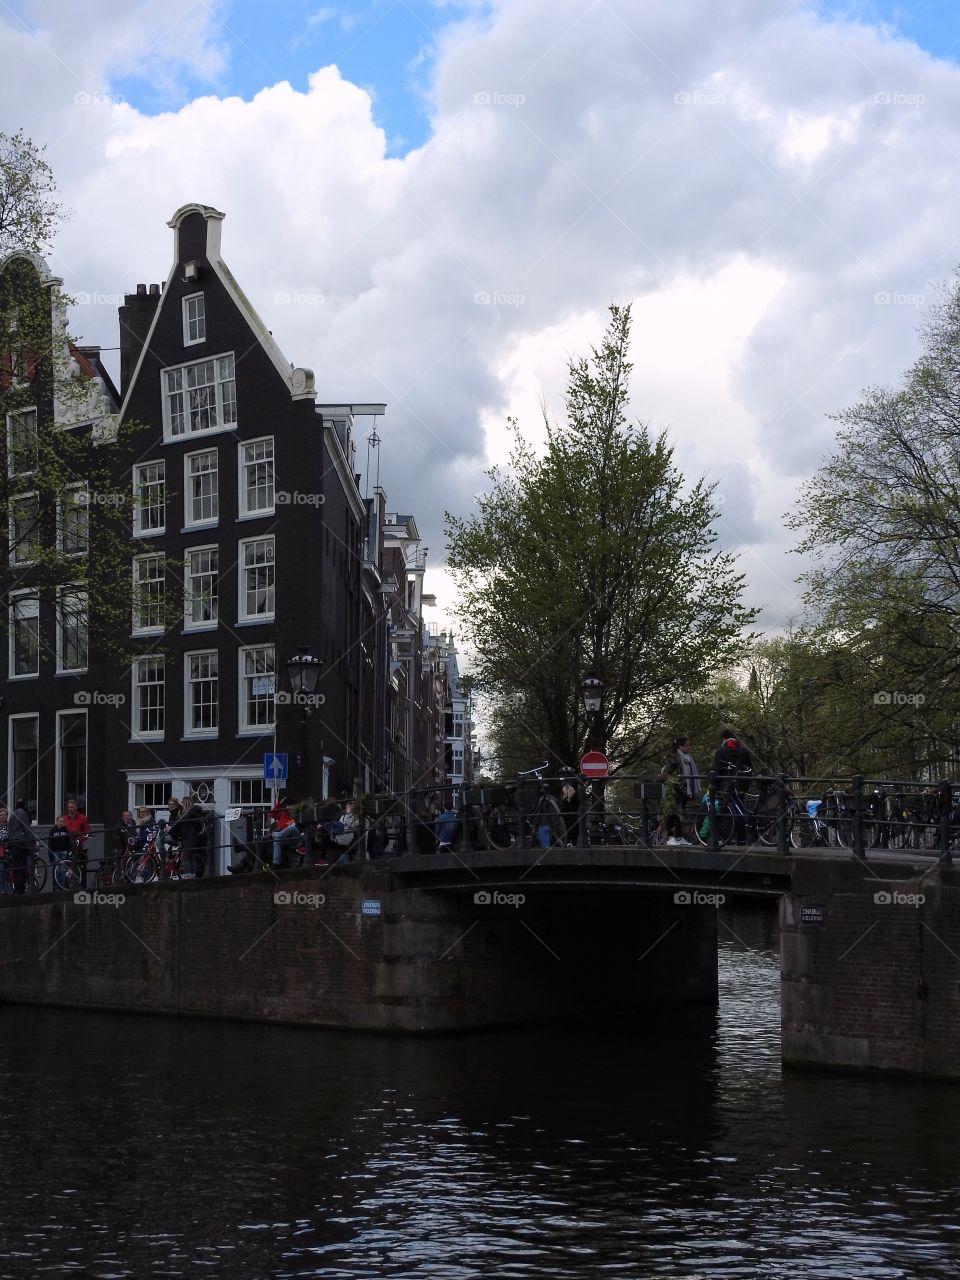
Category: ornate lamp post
<point>303,673</point>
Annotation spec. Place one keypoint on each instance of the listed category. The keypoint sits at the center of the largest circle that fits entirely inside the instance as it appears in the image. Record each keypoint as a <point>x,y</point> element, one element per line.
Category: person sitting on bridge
<point>285,829</point>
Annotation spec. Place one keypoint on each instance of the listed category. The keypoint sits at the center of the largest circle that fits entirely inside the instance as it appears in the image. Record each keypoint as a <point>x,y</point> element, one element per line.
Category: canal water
<point>671,1146</point>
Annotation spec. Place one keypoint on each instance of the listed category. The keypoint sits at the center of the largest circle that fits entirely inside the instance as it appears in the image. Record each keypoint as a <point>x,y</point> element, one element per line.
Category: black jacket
<point>60,840</point>
<point>189,829</point>
<point>20,833</point>
<point>727,762</point>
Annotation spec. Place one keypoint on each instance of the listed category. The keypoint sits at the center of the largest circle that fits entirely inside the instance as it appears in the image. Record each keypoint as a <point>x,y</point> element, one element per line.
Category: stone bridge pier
<point>870,966</point>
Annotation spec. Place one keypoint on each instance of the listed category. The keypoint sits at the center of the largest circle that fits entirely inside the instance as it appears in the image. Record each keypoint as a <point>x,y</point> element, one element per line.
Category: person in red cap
<point>733,766</point>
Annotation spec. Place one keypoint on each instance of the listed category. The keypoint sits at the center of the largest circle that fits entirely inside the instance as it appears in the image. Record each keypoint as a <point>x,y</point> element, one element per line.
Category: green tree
<point>65,502</point>
<point>29,209</point>
<point>595,556</point>
<point>881,522</point>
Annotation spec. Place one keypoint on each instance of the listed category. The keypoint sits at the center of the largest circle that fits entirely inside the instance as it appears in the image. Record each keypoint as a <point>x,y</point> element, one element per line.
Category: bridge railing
<point>851,812</point>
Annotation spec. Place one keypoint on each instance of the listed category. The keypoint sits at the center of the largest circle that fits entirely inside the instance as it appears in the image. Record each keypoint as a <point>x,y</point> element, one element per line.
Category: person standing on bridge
<point>733,767</point>
<point>679,776</point>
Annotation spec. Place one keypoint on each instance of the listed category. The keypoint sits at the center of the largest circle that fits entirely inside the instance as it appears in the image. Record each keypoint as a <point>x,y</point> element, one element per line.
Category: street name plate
<point>813,915</point>
<point>370,907</point>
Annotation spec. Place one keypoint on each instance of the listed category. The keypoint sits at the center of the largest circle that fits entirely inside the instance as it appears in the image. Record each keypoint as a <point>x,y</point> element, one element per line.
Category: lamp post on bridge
<point>303,673</point>
<point>591,688</point>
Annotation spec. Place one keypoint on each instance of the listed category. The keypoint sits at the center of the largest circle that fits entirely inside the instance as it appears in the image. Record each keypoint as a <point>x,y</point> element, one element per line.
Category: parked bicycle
<point>526,810</point>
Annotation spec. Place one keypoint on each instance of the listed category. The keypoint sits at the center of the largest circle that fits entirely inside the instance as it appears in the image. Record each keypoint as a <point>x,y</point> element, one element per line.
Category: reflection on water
<point>672,1147</point>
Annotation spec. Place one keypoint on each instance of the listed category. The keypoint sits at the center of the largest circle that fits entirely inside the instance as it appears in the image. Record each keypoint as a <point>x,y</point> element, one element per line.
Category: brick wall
<point>431,961</point>
<point>875,984</point>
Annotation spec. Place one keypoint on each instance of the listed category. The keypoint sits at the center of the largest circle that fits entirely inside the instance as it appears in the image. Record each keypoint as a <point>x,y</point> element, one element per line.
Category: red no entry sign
<point>594,765</point>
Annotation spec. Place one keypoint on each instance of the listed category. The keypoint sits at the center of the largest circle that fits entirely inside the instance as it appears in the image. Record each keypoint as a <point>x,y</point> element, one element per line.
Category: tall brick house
<point>247,508</point>
<point>52,393</point>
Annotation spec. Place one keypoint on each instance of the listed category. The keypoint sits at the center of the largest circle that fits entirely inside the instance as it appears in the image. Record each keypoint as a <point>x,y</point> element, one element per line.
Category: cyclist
<point>124,832</point>
<point>75,820</point>
<point>60,844</point>
<point>733,765</point>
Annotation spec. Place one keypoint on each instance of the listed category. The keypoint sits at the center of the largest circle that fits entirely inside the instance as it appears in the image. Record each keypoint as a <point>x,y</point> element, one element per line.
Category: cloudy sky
<point>432,204</point>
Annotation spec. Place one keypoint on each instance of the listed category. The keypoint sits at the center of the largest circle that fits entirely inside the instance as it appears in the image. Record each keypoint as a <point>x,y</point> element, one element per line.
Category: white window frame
<point>152,629</point>
<point>17,413</point>
<point>169,435</point>
<point>58,768</point>
<point>16,596</point>
<point>188,730</point>
<point>13,782</point>
<point>136,733</point>
<point>79,590</point>
<point>200,320</point>
<point>67,499</point>
<point>243,569</point>
<point>14,557</point>
<point>138,508</point>
<point>244,513</point>
<point>209,521</point>
<point>188,622</point>
<point>245,728</point>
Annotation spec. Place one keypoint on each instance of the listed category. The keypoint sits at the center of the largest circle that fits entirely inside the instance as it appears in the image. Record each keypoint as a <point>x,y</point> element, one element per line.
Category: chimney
<point>136,316</point>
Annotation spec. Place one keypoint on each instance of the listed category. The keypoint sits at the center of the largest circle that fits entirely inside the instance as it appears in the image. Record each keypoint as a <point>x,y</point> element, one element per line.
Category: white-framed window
<point>151,795</point>
<point>72,629</point>
<point>194,320</point>
<point>247,793</point>
<point>458,724</point>
<point>257,579</point>
<point>199,397</point>
<point>23,442</point>
<point>24,759</point>
<point>257,683</point>
<point>201,588</point>
<point>71,759</point>
<point>24,657</point>
<point>149,498</point>
<point>201,694</point>
<point>24,528</point>
<point>201,484</point>
<point>148,696</point>
<point>256,477</point>
<point>148,593</point>
<point>73,521</point>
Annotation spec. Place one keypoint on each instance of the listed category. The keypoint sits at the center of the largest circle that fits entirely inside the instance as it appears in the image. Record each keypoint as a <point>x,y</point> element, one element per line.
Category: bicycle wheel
<point>108,874</point>
<point>142,868</point>
<point>36,874</point>
<point>501,826</point>
<point>68,875</point>
<point>722,820</point>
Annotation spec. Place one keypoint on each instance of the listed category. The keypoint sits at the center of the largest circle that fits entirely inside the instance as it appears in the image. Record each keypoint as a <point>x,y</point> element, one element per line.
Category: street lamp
<point>303,673</point>
<point>592,689</point>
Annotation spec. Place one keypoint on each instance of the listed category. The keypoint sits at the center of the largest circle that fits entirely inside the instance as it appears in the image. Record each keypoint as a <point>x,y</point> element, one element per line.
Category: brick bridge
<point>870,948</point>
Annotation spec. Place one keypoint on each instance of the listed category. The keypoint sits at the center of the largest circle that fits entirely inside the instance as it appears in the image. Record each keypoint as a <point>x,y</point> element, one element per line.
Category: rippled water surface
<point>669,1147</point>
